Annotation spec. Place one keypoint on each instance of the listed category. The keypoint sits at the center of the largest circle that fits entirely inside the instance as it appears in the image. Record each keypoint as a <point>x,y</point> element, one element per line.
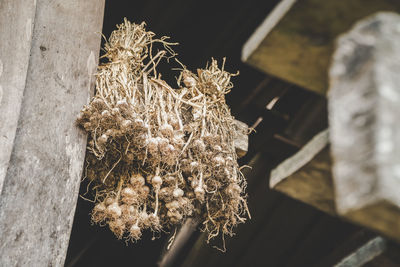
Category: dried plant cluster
<point>158,155</point>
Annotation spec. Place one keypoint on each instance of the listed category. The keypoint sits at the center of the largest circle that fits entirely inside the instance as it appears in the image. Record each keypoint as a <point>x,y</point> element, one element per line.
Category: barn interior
<point>282,231</point>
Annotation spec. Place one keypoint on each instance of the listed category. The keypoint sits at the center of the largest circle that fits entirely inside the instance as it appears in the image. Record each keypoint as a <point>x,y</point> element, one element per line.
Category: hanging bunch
<point>158,155</point>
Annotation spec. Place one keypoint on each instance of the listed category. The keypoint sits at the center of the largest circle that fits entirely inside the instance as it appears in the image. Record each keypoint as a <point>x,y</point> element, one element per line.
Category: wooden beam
<point>14,58</point>
<point>41,182</point>
<point>306,176</point>
<point>172,253</point>
<point>241,141</point>
<point>295,42</point>
<point>359,248</point>
<point>364,108</point>
<point>365,253</point>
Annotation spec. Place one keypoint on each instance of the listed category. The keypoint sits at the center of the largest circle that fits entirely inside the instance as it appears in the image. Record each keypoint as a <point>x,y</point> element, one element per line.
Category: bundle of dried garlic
<point>158,155</point>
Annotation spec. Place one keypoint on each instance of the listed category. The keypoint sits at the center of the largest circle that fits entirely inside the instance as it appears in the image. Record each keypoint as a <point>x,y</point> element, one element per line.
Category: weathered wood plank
<point>40,188</point>
<point>306,176</point>
<point>359,248</point>
<point>241,141</point>
<point>366,253</point>
<point>295,42</point>
<point>16,24</point>
<point>364,108</point>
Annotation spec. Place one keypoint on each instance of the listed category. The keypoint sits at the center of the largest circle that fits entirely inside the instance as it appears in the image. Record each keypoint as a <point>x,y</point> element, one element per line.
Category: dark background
<point>282,232</point>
